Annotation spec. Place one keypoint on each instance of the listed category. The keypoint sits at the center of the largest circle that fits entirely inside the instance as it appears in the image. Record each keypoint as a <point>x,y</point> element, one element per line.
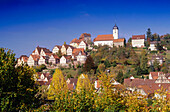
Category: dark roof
<point>115,27</point>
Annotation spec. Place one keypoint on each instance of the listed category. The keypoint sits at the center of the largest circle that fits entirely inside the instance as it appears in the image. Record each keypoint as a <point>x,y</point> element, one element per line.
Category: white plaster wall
<point>137,42</point>
<point>52,60</point>
<point>117,44</point>
<point>115,33</point>
<point>41,61</point>
<point>109,43</point>
<point>55,50</point>
<point>62,60</point>
<point>69,51</point>
<point>82,45</point>
<point>30,61</point>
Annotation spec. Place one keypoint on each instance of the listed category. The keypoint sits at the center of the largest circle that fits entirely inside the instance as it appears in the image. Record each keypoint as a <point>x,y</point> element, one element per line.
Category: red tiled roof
<point>138,36</point>
<point>108,37</point>
<point>85,35</point>
<point>24,57</point>
<point>155,74</point>
<point>119,40</point>
<point>55,56</point>
<point>47,51</point>
<point>77,50</point>
<point>35,57</point>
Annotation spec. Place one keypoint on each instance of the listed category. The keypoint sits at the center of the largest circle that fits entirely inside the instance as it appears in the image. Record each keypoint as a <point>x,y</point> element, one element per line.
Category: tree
<point>156,65</point>
<point>101,68</point>
<point>107,63</point>
<point>83,82</point>
<point>130,40</point>
<point>17,85</point>
<point>120,77</point>
<point>58,84</point>
<point>144,62</point>
<point>149,34</point>
<point>89,64</point>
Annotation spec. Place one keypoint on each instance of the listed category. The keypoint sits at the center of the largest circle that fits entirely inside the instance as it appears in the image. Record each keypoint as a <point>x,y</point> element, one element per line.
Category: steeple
<point>115,32</point>
<point>115,27</point>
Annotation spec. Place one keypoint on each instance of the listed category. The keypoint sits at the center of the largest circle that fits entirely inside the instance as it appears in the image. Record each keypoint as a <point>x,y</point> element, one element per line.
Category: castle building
<point>109,39</point>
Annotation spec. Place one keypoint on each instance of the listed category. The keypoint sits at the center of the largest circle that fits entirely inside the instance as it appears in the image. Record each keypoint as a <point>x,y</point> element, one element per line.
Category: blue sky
<point>25,24</point>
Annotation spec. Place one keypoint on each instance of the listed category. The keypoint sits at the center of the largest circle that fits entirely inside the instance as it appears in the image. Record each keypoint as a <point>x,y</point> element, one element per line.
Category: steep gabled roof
<point>155,74</point>
<point>47,51</point>
<point>108,37</point>
<point>138,37</point>
<point>35,57</point>
<point>24,57</point>
<point>58,46</point>
<point>55,56</point>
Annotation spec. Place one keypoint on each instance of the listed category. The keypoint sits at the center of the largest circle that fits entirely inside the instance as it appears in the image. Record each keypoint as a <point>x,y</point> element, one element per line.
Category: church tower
<point>115,32</point>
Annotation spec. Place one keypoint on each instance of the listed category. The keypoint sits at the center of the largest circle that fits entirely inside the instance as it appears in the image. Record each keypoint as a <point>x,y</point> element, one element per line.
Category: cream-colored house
<point>54,59</point>
<point>65,60</point>
<point>43,60</point>
<point>33,60</point>
<point>119,42</point>
<point>81,58</point>
<point>56,49</point>
<point>41,51</point>
<point>22,60</point>
<point>64,48</point>
<point>138,40</point>
<point>75,43</point>
<point>83,45</point>
<point>70,50</point>
<point>152,46</point>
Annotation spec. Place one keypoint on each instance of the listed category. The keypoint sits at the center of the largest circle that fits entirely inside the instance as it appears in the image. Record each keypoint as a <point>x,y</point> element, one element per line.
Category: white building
<point>83,45</point>
<point>109,39</point>
<point>138,40</point>
<point>56,49</point>
<point>33,60</point>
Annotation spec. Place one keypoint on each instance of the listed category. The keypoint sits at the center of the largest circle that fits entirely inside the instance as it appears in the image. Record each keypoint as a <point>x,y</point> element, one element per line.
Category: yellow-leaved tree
<point>58,85</point>
<point>83,82</point>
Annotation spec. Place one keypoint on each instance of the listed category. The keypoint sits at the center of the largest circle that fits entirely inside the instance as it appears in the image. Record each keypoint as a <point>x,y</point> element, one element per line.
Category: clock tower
<point>115,32</point>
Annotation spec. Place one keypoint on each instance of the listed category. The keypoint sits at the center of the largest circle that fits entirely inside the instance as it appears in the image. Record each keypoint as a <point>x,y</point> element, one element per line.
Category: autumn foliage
<point>108,98</point>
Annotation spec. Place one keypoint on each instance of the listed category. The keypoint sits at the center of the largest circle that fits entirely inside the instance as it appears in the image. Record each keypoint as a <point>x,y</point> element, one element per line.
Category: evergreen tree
<point>149,34</point>
<point>120,77</point>
<point>144,62</point>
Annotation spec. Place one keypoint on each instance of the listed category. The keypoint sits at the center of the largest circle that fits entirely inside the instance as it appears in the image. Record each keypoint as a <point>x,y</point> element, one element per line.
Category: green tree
<point>156,65</point>
<point>144,62</point>
<point>130,40</point>
<point>101,68</point>
<point>149,34</point>
<point>107,63</point>
<point>17,85</point>
<point>120,77</point>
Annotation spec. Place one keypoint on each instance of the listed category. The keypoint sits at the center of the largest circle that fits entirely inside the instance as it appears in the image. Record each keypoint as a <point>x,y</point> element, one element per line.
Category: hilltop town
<point>142,63</point>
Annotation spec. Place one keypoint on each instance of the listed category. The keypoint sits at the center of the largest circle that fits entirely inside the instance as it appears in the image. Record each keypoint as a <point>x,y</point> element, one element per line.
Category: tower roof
<point>115,27</point>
